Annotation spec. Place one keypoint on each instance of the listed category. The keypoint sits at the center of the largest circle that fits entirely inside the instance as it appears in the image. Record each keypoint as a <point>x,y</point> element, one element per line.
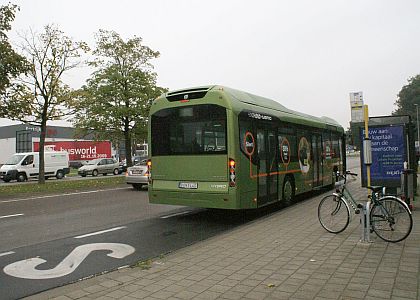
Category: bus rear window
<point>189,130</point>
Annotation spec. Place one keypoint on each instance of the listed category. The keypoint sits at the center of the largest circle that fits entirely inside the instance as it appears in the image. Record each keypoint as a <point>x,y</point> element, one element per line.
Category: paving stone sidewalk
<point>286,255</point>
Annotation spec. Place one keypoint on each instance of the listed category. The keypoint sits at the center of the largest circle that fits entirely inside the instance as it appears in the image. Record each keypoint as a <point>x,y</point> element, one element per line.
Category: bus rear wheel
<point>288,193</point>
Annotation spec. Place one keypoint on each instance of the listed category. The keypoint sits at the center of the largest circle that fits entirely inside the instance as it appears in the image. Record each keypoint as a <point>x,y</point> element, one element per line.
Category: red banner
<point>80,150</point>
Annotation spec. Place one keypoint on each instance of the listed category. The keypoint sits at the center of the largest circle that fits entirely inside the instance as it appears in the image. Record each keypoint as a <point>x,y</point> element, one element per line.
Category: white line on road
<point>177,214</point>
<point>99,232</point>
<point>61,195</point>
<point>11,216</point>
<point>6,253</point>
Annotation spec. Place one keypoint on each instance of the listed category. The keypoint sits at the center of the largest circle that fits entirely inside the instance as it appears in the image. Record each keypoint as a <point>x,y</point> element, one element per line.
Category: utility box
<point>393,151</point>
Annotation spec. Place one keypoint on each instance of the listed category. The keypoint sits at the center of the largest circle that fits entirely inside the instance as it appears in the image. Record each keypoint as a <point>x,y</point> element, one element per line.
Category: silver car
<point>137,175</point>
<point>99,166</point>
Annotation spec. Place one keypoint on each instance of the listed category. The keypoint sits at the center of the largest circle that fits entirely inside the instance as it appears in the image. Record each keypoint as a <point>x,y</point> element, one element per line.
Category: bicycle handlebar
<point>344,176</point>
<point>350,173</point>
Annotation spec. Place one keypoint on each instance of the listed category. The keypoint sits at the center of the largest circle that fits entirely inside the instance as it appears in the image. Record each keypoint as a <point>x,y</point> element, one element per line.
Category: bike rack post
<point>407,187</point>
<point>365,222</point>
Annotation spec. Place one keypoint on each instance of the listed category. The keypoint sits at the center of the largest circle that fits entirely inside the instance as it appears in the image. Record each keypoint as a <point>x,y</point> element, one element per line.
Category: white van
<point>22,166</point>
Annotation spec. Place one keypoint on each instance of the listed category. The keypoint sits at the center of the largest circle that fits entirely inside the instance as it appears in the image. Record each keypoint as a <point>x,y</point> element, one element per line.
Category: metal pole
<point>366,117</point>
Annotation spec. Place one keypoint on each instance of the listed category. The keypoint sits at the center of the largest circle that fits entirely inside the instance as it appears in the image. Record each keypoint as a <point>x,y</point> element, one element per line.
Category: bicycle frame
<point>343,193</point>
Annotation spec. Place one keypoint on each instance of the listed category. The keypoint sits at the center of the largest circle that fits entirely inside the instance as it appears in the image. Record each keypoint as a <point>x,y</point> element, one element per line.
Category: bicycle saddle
<point>375,189</point>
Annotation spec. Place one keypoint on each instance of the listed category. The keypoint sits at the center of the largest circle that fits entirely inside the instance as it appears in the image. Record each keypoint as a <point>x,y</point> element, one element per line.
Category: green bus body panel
<point>190,168</point>
<point>210,172</point>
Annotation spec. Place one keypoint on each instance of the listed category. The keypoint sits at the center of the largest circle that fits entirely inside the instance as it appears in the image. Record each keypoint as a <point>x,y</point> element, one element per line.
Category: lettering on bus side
<point>259,116</point>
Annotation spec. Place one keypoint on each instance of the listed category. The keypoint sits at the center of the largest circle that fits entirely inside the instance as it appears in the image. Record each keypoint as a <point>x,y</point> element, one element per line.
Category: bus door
<point>267,166</point>
<point>317,160</point>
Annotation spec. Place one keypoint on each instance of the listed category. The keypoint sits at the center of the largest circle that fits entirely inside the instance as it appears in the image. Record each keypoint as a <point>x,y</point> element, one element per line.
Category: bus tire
<point>21,177</point>
<point>288,191</point>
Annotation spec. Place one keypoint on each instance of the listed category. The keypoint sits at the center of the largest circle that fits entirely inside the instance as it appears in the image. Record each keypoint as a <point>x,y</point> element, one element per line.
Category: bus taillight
<point>149,171</point>
<point>232,173</point>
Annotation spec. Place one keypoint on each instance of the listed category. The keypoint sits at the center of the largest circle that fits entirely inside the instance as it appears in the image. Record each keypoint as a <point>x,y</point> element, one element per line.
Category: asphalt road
<point>54,240</point>
<point>45,218</point>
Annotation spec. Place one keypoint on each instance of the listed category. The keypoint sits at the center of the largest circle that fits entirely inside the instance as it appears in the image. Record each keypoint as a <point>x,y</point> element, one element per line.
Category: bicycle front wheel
<point>333,214</point>
<point>391,219</point>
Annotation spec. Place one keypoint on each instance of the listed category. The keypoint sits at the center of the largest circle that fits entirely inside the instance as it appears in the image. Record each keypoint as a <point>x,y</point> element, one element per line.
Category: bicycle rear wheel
<point>333,214</point>
<point>391,219</point>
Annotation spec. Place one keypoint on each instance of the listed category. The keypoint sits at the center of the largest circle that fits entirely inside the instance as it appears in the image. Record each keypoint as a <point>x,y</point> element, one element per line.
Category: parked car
<point>99,166</point>
<point>137,175</point>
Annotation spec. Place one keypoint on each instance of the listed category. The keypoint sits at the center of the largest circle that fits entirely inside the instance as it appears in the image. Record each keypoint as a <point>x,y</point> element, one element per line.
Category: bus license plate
<point>188,185</point>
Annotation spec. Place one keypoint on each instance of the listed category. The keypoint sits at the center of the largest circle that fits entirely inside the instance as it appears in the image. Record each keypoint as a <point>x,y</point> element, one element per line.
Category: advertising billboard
<point>80,150</point>
<point>388,154</point>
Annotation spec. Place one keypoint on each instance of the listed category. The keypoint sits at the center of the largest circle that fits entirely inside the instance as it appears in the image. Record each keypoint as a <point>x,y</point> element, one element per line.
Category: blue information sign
<point>388,153</point>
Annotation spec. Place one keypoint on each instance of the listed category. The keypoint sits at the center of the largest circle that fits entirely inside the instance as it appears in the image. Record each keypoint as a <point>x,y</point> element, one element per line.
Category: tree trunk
<point>41,177</point>
<point>127,140</point>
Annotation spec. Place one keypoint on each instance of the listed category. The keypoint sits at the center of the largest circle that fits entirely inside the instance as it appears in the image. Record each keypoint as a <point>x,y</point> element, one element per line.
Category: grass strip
<point>60,186</point>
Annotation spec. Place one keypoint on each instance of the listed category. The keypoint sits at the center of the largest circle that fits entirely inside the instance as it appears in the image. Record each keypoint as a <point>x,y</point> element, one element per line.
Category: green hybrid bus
<point>218,147</point>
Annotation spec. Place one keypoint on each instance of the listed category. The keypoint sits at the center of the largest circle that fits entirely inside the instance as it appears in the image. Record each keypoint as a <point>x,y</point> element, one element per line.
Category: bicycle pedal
<point>357,211</point>
<point>359,205</point>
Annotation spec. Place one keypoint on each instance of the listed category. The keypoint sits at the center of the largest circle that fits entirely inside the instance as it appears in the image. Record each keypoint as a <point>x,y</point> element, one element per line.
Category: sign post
<point>367,157</point>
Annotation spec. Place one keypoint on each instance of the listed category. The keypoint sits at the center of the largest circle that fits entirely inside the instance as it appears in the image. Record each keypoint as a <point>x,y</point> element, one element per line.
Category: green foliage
<point>41,95</point>
<point>115,102</point>
<point>11,63</point>
<point>408,97</point>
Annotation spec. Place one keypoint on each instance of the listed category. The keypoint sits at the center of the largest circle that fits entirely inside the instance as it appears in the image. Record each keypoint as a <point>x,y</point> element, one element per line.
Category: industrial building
<point>25,138</point>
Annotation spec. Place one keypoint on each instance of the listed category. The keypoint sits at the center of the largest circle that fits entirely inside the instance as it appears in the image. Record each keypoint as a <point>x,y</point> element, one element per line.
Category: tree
<point>409,100</point>
<point>42,95</point>
<point>11,63</point>
<point>117,98</point>
<point>408,97</point>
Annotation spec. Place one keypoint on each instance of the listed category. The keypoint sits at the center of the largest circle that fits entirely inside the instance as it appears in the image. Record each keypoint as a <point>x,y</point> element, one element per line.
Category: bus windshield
<point>199,129</point>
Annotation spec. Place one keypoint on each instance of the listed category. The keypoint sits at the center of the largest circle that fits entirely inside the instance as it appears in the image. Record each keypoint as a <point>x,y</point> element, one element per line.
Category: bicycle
<point>390,217</point>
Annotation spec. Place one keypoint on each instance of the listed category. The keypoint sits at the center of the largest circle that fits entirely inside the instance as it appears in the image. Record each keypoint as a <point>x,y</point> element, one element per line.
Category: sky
<point>307,55</point>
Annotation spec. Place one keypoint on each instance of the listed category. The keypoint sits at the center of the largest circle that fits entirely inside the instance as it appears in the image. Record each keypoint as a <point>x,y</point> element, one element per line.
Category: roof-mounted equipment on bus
<point>187,95</point>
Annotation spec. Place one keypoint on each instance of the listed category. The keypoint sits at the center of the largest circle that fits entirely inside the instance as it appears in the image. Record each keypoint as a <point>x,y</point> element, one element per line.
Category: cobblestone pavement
<point>286,255</point>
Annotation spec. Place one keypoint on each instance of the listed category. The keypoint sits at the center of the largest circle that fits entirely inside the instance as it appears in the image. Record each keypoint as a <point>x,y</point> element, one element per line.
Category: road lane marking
<point>99,232</point>
<point>27,268</point>
<point>177,214</point>
<point>6,253</point>
<point>62,195</point>
<point>11,216</point>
